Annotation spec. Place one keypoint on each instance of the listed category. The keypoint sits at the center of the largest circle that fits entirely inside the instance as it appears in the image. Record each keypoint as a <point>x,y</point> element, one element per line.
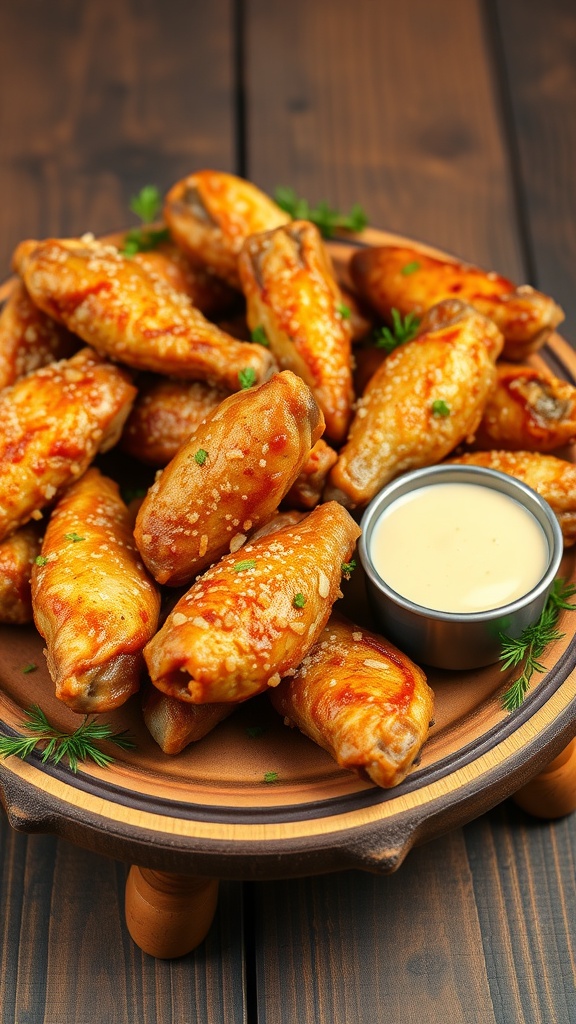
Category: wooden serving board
<point>210,810</point>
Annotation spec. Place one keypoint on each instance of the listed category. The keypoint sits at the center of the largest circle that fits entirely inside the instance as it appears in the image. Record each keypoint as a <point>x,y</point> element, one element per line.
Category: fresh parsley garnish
<point>146,205</point>
<point>326,219</point>
<point>270,777</point>
<point>532,642</point>
<point>201,456</point>
<point>248,563</point>
<point>410,268</point>
<point>31,667</point>
<point>259,336</point>
<point>247,377</point>
<point>403,329</point>
<point>344,310</point>
<point>440,408</point>
<point>41,560</point>
<point>298,600</point>
<point>347,569</point>
<point>74,537</point>
<point>77,747</point>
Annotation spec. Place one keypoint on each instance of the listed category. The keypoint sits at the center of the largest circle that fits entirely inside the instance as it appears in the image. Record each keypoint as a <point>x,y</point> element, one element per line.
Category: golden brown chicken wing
<point>114,305</point>
<point>210,214</point>
<point>426,398</point>
<point>174,724</point>
<point>553,478</point>
<point>397,277</point>
<point>93,601</point>
<point>17,554</point>
<point>294,300</point>
<point>228,478</point>
<point>528,409</point>
<point>52,424</point>
<point>28,338</point>
<point>307,488</point>
<point>253,617</point>
<point>164,415</point>
<point>362,700</point>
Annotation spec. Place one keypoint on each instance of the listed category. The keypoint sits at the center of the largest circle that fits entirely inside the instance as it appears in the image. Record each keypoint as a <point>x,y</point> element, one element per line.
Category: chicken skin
<point>93,602</point>
<point>362,700</point>
<point>254,616</point>
<point>554,479</point>
<point>426,398</point>
<point>164,415</point>
<point>210,214</point>
<point>228,478</point>
<point>306,491</point>
<point>293,298</point>
<point>28,338</point>
<point>17,554</point>
<point>174,724</point>
<point>113,304</point>
<point>52,424</point>
<point>529,409</point>
<point>396,277</point>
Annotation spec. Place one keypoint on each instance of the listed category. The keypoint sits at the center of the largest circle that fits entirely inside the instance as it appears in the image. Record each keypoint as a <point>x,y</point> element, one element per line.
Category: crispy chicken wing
<point>253,617</point>
<point>362,700</point>
<point>93,601</point>
<point>52,424</point>
<point>293,297</point>
<point>114,305</point>
<point>210,214</point>
<point>397,277</point>
<point>28,338</point>
<point>307,488</point>
<point>528,409</point>
<point>174,724</point>
<point>553,478</point>
<point>164,415</point>
<point>426,398</point>
<point>228,478</point>
<point>17,554</point>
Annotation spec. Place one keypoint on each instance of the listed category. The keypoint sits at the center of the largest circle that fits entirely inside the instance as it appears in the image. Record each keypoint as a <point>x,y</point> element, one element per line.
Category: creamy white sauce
<point>459,547</point>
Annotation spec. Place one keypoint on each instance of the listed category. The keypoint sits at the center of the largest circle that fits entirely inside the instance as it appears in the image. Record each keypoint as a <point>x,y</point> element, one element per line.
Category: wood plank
<point>390,105</point>
<point>538,43</point>
<point>102,98</point>
<point>65,953</point>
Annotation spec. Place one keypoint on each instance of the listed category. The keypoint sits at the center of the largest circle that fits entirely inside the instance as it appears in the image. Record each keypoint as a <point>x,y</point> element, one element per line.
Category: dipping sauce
<point>459,547</point>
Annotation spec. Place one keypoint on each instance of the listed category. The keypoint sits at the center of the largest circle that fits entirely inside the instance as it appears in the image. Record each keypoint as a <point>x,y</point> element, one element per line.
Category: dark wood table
<point>451,121</point>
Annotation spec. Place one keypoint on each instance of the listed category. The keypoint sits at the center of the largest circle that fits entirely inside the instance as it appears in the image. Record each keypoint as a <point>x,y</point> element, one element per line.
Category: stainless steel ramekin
<point>449,639</point>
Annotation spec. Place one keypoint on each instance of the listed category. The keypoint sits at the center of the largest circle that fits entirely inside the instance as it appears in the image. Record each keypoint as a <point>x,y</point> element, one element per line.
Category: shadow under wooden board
<point>254,799</point>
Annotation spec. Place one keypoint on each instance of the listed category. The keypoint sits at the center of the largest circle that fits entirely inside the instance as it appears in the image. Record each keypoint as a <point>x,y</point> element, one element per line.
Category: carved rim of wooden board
<point>209,811</point>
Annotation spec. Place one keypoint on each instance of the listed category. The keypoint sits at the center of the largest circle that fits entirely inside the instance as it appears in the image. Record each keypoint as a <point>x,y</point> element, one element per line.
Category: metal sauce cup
<point>456,640</point>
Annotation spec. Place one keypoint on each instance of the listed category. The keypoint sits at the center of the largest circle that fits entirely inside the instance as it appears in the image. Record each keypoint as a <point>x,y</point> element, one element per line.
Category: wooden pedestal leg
<point>552,794</point>
<point>169,915</point>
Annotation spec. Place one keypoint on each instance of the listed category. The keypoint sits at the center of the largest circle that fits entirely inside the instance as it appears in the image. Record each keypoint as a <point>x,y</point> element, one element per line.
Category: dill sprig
<point>146,205</point>
<point>403,329</point>
<point>77,747</point>
<point>528,648</point>
<point>326,219</point>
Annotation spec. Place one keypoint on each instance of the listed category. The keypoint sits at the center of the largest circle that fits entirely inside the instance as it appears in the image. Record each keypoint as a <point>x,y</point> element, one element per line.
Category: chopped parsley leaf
<point>259,336</point>
<point>270,777</point>
<point>201,456</point>
<point>410,268</point>
<point>440,408</point>
<point>247,377</point>
<point>344,310</point>
<point>248,563</point>
<point>29,668</point>
<point>41,560</point>
<point>299,601</point>
<point>74,537</point>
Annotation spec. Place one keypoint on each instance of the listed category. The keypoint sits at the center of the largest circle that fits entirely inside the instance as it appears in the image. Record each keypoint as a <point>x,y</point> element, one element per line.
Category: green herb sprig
<point>326,219</point>
<point>403,329</point>
<point>147,206</point>
<point>77,747</point>
<point>528,648</point>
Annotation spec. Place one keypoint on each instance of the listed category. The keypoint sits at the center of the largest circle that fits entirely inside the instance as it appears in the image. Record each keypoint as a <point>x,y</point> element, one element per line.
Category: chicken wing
<point>93,601</point>
<point>251,619</point>
<point>307,488</point>
<point>174,724</point>
<point>52,424</point>
<point>210,214</point>
<point>362,700</point>
<point>17,554</point>
<point>230,476</point>
<point>528,409</point>
<point>164,415</point>
<point>293,298</point>
<point>28,338</point>
<point>424,400</point>
<point>397,277</point>
<point>114,305</point>
<point>553,478</point>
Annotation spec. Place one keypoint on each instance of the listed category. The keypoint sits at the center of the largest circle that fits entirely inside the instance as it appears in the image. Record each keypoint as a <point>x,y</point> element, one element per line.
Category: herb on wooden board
<point>77,747</point>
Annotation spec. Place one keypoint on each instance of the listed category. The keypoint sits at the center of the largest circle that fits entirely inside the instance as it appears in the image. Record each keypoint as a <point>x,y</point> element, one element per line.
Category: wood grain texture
<point>537,44</point>
<point>390,105</point>
<point>102,98</point>
<point>65,952</point>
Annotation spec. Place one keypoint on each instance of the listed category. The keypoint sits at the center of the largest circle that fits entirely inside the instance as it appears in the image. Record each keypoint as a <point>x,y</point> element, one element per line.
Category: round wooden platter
<point>256,800</point>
